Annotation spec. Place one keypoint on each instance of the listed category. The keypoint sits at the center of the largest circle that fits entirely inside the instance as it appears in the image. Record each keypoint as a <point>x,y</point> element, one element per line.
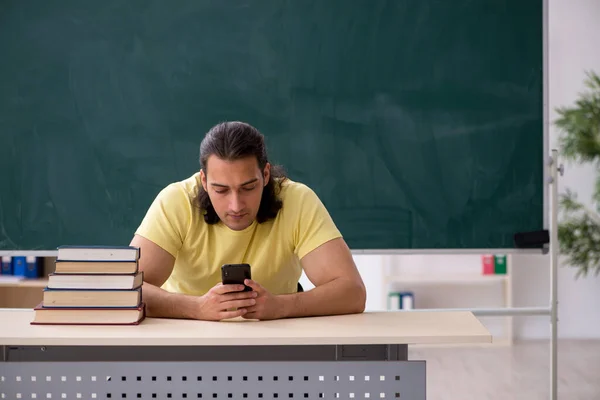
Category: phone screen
<point>235,274</point>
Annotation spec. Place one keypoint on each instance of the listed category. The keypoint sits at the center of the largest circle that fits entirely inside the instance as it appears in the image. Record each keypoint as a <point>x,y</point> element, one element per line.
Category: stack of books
<point>93,285</point>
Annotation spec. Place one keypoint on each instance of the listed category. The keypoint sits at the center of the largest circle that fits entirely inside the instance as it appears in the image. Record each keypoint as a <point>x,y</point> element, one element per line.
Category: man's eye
<point>249,188</point>
<point>221,191</point>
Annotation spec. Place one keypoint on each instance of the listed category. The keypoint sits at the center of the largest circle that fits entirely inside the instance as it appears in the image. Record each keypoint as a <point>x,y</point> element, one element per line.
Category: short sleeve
<point>314,225</point>
<point>167,220</point>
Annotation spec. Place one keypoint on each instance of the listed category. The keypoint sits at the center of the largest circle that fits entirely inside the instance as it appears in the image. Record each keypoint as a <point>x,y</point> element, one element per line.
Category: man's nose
<point>235,203</point>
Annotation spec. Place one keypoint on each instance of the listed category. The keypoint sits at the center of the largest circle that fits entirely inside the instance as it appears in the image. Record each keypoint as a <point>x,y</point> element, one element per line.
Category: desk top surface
<point>412,327</point>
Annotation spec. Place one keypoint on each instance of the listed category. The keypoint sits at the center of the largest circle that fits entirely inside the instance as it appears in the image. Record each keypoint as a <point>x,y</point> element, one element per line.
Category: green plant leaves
<point>579,140</point>
<point>580,125</point>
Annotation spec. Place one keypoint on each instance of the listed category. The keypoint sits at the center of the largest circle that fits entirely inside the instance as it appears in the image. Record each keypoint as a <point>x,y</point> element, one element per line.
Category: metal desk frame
<point>211,372</point>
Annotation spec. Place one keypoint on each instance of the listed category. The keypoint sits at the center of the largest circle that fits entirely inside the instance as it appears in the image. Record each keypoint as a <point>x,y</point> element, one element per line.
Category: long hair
<point>232,141</point>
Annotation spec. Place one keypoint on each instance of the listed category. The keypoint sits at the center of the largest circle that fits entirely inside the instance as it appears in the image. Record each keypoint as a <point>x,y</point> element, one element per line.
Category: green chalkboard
<point>419,123</point>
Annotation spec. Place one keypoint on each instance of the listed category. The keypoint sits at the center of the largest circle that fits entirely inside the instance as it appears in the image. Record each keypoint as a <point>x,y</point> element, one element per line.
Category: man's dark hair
<point>232,141</point>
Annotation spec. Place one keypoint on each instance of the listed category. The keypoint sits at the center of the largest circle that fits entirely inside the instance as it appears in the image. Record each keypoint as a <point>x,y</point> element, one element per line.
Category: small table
<point>346,356</point>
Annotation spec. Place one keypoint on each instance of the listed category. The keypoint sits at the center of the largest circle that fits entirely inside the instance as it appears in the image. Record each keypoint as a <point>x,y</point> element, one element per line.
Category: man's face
<point>235,189</point>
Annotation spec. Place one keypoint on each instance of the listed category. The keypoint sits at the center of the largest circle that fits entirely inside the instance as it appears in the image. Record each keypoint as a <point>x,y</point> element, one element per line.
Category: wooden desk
<point>349,356</point>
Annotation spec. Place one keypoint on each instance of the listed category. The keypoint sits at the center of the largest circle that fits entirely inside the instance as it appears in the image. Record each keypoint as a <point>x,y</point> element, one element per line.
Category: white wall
<point>574,42</point>
<point>574,46</point>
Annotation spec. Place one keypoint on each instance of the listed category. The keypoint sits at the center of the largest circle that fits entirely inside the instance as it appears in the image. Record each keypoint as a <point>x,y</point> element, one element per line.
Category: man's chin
<point>238,224</point>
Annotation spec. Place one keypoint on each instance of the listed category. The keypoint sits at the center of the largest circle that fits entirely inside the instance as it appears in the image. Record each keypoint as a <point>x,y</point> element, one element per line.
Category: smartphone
<point>235,274</point>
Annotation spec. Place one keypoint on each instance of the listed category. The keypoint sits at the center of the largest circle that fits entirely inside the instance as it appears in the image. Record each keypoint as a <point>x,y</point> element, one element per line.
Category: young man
<point>241,209</point>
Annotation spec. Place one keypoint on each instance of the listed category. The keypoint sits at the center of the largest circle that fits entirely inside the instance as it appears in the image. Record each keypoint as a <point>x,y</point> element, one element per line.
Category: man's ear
<point>267,173</point>
<point>203,179</point>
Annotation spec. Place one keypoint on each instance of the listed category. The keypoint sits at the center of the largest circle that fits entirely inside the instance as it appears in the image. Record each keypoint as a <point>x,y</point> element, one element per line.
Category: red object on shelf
<point>487,261</point>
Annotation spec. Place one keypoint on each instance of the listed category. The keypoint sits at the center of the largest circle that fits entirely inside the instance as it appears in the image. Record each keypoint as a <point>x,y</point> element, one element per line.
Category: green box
<point>500,264</point>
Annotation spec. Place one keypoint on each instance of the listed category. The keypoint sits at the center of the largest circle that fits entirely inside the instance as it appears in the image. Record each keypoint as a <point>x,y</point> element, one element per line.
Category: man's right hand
<point>224,302</point>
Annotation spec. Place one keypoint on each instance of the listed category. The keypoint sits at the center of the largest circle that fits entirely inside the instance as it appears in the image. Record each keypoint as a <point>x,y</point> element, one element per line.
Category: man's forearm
<point>340,296</point>
<point>160,303</point>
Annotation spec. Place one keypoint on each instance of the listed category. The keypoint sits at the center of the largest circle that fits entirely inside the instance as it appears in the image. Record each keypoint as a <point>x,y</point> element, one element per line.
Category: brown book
<point>95,267</point>
<point>98,253</point>
<point>89,316</point>
<point>91,297</point>
<point>95,281</point>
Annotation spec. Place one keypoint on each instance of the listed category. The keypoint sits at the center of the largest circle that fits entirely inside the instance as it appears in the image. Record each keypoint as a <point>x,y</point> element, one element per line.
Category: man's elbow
<point>360,297</point>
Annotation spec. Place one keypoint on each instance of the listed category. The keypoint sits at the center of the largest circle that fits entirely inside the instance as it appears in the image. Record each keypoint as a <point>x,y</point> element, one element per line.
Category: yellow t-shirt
<point>273,248</point>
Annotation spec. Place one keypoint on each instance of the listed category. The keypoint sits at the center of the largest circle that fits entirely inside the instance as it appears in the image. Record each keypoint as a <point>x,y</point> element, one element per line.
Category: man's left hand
<point>267,305</point>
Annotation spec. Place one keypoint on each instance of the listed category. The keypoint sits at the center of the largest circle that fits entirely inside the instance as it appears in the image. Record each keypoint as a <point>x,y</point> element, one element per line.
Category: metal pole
<point>554,250</point>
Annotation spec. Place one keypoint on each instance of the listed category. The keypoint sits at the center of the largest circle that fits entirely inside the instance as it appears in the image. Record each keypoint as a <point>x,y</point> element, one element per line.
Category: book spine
<point>19,265</point>
<point>487,262</point>
<point>500,264</point>
<point>6,268</point>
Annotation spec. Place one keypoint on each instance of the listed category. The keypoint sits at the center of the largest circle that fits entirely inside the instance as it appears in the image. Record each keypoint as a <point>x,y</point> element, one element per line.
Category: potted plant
<point>579,141</point>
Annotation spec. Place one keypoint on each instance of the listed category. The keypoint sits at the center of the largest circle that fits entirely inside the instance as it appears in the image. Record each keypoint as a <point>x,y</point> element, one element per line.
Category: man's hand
<point>225,301</point>
<point>267,305</point>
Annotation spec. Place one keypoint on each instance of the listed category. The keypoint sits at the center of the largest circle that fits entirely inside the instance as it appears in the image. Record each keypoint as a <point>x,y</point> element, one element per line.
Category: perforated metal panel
<point>213,380</point>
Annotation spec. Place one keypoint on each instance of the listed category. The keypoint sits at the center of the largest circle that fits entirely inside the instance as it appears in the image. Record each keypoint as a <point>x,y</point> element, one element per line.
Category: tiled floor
<point>520,372</point>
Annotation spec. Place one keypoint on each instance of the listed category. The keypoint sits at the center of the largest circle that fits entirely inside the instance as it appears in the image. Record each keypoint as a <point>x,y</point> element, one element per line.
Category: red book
<point>487,261</point>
